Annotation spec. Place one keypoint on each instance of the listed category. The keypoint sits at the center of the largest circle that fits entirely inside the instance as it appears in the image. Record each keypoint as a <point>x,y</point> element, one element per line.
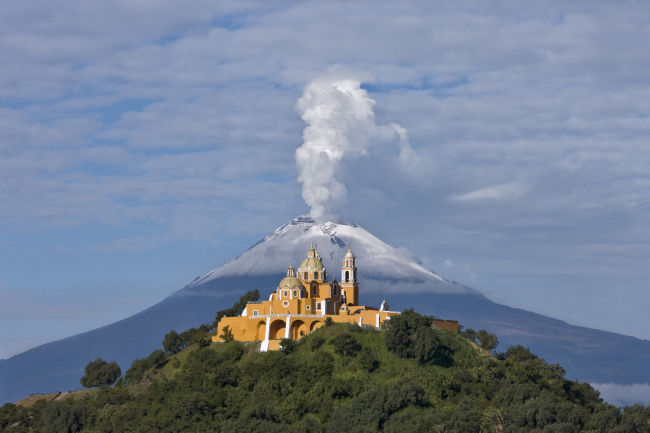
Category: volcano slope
<point>384,272</point>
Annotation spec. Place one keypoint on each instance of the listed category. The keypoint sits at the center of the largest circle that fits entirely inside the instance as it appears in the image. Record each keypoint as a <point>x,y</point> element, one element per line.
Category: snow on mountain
<point>382,268</point>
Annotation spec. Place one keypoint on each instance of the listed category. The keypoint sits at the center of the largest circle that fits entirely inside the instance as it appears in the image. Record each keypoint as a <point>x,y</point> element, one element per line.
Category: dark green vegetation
<point>340,378</point>
<point>99,373</point>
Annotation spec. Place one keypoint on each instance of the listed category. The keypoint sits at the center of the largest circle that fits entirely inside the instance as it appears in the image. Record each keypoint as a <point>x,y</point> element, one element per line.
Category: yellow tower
<point>349,282</point>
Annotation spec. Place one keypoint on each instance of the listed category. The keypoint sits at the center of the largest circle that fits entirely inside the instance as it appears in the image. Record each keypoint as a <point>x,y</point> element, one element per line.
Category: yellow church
<point>302,302</point>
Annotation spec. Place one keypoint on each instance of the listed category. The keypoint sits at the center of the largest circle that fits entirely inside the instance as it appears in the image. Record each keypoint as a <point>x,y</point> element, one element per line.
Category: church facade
<point>302,302</point>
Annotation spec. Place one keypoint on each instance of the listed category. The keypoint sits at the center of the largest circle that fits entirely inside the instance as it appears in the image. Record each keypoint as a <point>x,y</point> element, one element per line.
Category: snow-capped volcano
<point>586,354</point>
<point>382,268</point>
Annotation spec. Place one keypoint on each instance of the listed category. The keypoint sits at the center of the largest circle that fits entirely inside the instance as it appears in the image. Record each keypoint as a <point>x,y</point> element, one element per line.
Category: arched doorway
<point>278,330</point>
<point>261,330</point>
<point>296,327</point>
<point>315,325</point>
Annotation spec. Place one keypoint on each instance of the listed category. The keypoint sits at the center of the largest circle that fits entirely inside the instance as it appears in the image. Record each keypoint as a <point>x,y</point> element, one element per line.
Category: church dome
<point>312,262</point>
<point>290,282</point>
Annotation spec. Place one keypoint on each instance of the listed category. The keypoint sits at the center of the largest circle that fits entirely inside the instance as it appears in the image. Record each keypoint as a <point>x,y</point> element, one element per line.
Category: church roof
<point>290,282</point>
<point>312,264</point>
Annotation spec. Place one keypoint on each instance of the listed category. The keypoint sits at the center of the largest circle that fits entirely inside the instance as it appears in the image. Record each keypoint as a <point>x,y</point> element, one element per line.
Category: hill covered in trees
<point>409,377</point>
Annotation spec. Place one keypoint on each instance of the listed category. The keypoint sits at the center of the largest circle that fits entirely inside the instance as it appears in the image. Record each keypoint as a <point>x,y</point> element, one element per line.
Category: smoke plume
<point>340,125</point>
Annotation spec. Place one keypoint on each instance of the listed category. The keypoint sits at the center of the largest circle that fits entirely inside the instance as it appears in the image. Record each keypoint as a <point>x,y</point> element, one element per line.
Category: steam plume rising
<point>340,124</point>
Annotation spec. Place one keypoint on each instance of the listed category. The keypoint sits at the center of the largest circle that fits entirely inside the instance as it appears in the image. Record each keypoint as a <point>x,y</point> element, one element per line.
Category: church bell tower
<point>349,282</point>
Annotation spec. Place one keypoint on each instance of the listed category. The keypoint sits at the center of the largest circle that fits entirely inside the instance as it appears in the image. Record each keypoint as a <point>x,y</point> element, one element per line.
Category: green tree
<point>8,413</point>
<point>368,360</point>
<point>227,334</point>
<point>401,332</point>
<point>61,417</point>
<point>345,344</point>
<point>139,366</point>
<point>488,341</point>
<point>287,345</point>
<point>100,373</point>
<point>200,338</point>
<point>173,343</point>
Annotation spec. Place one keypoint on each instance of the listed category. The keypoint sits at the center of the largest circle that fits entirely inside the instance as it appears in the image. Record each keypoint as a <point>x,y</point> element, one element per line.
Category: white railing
<point>312,316</point>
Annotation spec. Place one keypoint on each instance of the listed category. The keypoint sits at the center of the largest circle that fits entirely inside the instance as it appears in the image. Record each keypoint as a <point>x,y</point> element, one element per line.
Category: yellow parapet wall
<point>294,326</point>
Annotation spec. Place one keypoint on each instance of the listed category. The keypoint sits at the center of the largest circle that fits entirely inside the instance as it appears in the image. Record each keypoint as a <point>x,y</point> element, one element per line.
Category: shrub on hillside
<point>368,360</point>
<point>345,344</point>
<point>100,373</point>
<point>372,408</point>
<point>139,366</point>
<point>64,417</point>
<point>484,339</point>
<point>410,335</point>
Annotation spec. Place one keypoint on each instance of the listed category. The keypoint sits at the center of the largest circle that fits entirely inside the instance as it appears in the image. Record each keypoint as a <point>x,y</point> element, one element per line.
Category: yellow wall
<point>251,328</point>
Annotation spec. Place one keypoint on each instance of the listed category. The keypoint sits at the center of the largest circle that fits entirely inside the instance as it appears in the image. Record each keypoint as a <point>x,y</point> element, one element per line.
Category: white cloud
<point>497,192</point>
<point>624,395</point>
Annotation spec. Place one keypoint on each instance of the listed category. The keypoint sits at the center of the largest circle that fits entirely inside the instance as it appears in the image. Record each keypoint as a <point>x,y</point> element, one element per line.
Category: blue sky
<point>145,143</point>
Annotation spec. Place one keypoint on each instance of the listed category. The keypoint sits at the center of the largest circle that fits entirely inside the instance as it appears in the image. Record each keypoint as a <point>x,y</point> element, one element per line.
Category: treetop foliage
<point>100,373</point>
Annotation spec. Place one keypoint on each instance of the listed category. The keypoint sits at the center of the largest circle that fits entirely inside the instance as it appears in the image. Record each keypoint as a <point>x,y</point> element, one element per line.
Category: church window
<point>306,276</point>
<point>285,304</point>
<point>315,275</point>
<point>318,305</point>
<point>295,293</point>
<point>286,293</point>
<point>347,275</point>
<point>255,313</point>
<point>308,307</point>
<point>313,289</point>
<point>335,290</point>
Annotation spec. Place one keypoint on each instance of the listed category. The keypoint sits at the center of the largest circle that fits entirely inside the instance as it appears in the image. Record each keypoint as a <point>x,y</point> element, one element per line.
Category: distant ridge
<point>384,271</point>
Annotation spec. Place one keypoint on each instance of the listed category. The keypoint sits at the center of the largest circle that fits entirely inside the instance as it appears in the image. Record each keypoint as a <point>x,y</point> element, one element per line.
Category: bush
<point>61,417</point>
<point>345,344</point>
<point>227,334</point>
<point>486,340</point>
<point>287,345</point>
<point>372,408</point>
<point>316,341</point>
<point>140,366</point>
<point>173,343</point>
<point>410,335</point>
<point>368,360</point>
<point>99,373</point>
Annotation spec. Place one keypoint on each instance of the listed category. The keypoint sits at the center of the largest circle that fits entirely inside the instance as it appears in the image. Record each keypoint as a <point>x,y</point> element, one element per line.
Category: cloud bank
<point>624,395</point>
